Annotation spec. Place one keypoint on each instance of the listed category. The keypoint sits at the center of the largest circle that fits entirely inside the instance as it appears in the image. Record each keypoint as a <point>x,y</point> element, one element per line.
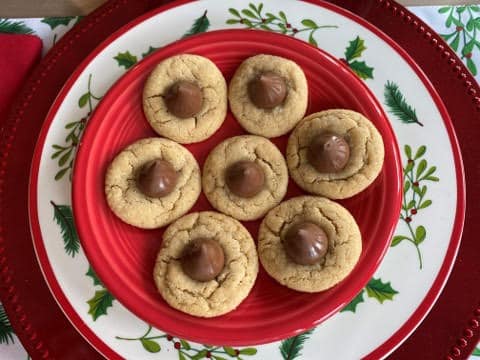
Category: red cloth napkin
<point>18,55</point>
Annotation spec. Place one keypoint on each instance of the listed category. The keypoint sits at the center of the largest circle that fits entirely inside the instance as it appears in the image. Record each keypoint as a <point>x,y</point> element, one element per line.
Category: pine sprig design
<point>14,27</point>
<point>64,217</point>
<point>291,348</point>
<point>6,330</point>
<point>398,106</point>
<point>200,25</point>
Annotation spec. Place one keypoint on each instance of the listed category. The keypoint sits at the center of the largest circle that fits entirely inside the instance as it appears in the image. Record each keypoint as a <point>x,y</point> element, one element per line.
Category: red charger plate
<point>124,256</point>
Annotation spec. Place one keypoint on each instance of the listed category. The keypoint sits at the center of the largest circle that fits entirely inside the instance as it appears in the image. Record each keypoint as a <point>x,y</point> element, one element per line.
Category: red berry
<point>410,161</point>
<point>295,30</point>
<point>289,26</point>
<point>414,211</point>
<point>169,337</point>
<point>408,219</point>
<point>209,354</point>
<point>459,28</point>
<point>263,21</point>
<point>177,345</point>
<point>468,56</point>
<point>415,184</point>
<point>241,21</point>
<point>237,352</point>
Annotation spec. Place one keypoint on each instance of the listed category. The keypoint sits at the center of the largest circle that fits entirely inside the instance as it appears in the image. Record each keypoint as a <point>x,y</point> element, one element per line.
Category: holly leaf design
<point>14,27</point>
<point>361,69</point>
<point>199,25</point>
<point>64,218</point>
<point>93,275</point>
<point>150,345</point>
<point>54,22</point>
<point>126,59</point>
<point>291,348</point>
<point>398,106</point>
<point>352,305</point>
<point>150,50</point>
<point>6,330</point>
<point>355,49</point>
<point>99,304</point>
<point>381,291</point>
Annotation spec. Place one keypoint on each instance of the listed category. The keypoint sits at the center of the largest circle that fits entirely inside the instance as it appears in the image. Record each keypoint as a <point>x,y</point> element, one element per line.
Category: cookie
<point>185,98</point>
<point>125,182</point>
<point>245,176</point>
<point>268,95</point>
<point>224,292</point>
<point>352,157</point>
<point>339,259</point>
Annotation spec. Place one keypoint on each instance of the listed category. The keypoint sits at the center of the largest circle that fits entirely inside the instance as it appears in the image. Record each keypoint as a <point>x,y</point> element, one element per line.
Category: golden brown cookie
<point>133,206</point>
<point>365,160</point>
<point>227,290</point>
<point>269,122</point>
<point>186,125</point>
<point>344,243</point>
<point>245,197</point>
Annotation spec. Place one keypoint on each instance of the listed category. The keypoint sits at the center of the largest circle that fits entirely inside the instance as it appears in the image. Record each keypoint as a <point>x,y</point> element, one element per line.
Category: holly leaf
<point>291,348</point>
<point>99,304</point>
<point>471,66</point>
<point>355,49</point>
<point>361,69</point>
<point>64,217</point>
<point>397,239</point>
<point>199,25</point>
<point>150,345</point>
<point>352,305</point>
<point>248,351</point>
<point>91,273</point>
<point>150,50</point>
<point>381,291</point>
<point>6,330</point>
<point>54,22</point>
<point>126,59</point>
<point>420,234</point>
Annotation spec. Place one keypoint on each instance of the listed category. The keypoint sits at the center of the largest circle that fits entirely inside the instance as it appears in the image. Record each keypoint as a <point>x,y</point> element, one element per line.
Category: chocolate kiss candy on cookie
<point>184,99</point>
<point>203,259</point>
<point>328,153</point>
<point>157,178</point>
<point>267,90</point>
<point>245,178</point>
<point>306,243</point>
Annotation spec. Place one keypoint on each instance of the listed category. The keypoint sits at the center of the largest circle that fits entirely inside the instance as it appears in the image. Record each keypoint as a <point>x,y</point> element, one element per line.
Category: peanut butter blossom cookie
<point>335,153</point>
<point>152,182</point>
<point>207,264</point>
<point>309,243</point>
<point>185,98</point>
<point>268,95</point>
<point>245,176</point>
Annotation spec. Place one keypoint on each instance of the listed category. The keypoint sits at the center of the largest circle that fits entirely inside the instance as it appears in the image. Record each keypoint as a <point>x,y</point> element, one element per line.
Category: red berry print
<point>177,345</point>
<point>468,56</point>
<point>408,219</point>
<point>410,161</point>
<point>263,21</point>
<point>237,352</point>
<point>415,184</point>
<point>169,337</point>
<point>241,21</point>
<point>414,211</point>
<point>208,354</point>
<point>295,30</point>
<point>459,28</point>
<point>289,25</point>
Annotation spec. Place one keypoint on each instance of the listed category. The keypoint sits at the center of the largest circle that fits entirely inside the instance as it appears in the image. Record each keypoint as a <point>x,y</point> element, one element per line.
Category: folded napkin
<point>18,54</point>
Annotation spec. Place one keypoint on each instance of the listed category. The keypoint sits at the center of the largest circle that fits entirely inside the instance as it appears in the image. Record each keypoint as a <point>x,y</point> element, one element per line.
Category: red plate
<point>124,256</point>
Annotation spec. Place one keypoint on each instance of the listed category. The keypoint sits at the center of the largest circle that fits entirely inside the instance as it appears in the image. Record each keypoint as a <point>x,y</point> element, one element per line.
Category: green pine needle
<point>64,218</point>
<point>199,25</point>
<point>398,106</point>
<point>14,27</point>
<point>291,347</point>
<point>6,330</point>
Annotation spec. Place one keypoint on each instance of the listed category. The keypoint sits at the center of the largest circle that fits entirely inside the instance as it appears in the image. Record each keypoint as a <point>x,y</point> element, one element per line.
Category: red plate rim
<point>395,339</point>
<point>366,267</point>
